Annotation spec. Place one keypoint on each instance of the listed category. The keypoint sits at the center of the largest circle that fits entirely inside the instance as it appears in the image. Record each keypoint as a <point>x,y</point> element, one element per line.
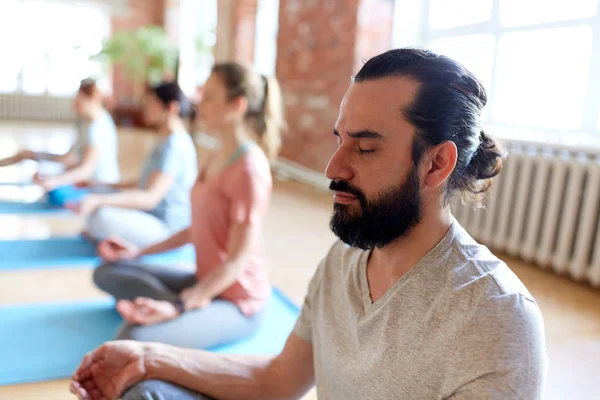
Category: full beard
<point>379,222</point>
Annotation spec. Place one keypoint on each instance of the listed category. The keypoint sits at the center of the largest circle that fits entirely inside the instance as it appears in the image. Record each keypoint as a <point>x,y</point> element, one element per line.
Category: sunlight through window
<point>535,58</point>
<point>50,45</point>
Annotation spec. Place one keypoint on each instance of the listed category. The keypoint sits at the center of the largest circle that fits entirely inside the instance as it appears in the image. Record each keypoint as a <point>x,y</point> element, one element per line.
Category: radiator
<point>26,107</point>
<point>543,208</point>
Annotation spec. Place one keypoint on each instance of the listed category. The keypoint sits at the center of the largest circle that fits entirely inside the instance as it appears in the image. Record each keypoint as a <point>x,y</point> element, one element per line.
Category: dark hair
<point>168,92</point>
<point>447,107</point>
<point>88,87</point>
<point>265,105</point>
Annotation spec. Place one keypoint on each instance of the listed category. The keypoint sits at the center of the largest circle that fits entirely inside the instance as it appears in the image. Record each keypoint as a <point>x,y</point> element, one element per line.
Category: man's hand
<point>113,249</point>
<point>116,366</point>
<point>146,311</point>
<point>105,373</point>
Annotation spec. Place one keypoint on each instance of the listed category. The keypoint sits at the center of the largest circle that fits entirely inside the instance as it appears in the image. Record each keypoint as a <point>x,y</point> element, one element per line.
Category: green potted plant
<point>145,55</point>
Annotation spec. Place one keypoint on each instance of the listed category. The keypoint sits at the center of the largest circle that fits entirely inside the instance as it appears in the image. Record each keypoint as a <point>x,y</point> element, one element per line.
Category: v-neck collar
<point>426,260</point>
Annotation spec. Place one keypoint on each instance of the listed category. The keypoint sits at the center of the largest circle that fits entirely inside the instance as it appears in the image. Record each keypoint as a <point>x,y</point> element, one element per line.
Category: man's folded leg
<point>161,390</point>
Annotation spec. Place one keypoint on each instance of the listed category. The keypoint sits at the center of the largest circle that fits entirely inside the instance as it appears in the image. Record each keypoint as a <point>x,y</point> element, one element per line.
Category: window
<point>481,62</point>
<point>536,58</point>
<point>50,45</point>
<point>450,14</point>
<point>197,35</point>
<point>10,67</point>
<point>530,12</point>
<point>537,90</point>
<point>267,25</point>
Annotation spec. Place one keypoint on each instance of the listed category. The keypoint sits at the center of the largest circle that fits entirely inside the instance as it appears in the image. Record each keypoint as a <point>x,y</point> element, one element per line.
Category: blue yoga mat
<point>36,207</point>
<point>17,183</point>
<point>54,203</point>
<point>69,252</point>
<point>45,342</point>
<point>66,194</point>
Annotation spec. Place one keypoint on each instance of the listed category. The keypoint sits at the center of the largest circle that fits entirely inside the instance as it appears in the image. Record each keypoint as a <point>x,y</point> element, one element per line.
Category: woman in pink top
<point>224,299</point>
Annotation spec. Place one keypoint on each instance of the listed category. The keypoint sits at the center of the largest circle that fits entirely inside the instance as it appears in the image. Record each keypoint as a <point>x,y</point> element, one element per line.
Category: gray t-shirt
<point>174,156</point>
<point>101,133</point>
<point>459,325</point>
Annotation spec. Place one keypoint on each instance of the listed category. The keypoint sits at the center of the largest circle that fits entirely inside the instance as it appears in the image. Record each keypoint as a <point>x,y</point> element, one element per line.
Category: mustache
<point>343,186</point>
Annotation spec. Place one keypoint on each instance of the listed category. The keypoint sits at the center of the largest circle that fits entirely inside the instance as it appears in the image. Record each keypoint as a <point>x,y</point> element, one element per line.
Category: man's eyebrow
<point>365,134</point>
<point>362,134</point>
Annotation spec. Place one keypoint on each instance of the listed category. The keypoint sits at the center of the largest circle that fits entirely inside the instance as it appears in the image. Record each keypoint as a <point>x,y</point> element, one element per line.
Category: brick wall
<point>319,46</point>
<point>138,13</point>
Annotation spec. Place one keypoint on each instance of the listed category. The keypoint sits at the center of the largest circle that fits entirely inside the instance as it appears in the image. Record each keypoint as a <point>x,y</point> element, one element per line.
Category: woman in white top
<point>93,157</point>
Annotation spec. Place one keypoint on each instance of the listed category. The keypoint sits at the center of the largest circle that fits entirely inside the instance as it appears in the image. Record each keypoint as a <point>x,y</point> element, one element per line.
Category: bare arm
<point>286,376</point>
<point>69,159</point>
<point>219,279</point>
<point>34,155</point>
<point>139,199</point>
<point>79,173</point>
<point>107,372</point>
<point>177,240</point>
<point>43,156</point>
<point>20,156</point>
<point>132,184</point>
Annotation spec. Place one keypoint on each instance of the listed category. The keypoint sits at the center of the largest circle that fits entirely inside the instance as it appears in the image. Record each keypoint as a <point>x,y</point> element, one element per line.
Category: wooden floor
<point>297,236</point>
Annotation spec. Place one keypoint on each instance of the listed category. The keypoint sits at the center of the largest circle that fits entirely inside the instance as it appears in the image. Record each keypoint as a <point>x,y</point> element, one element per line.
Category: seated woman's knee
<point>103,275</point>
<point>99,223</point>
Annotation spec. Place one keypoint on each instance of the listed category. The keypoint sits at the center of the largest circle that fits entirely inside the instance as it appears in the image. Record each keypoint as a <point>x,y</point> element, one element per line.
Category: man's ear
<point>442,162</point>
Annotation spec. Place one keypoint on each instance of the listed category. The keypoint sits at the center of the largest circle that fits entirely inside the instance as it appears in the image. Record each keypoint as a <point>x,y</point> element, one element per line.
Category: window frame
<point>421,35</point>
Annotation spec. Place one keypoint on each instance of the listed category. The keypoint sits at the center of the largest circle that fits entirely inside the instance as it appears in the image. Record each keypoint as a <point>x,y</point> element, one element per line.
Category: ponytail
<point>269,122</point>
<point>265,104</point>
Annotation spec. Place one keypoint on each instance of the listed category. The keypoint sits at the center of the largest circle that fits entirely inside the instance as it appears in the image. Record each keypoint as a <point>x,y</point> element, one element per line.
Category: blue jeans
<point>160,390</point>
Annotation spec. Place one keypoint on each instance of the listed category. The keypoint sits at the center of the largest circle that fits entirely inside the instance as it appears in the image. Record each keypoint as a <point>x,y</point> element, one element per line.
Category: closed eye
<point>338,137</point>
<point>359,137</point>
